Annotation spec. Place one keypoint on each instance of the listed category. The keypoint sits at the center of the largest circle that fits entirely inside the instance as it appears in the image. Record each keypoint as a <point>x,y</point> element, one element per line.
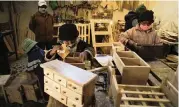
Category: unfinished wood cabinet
<point>144,96</point>
<point>134,70</point>
<point>72,86</point>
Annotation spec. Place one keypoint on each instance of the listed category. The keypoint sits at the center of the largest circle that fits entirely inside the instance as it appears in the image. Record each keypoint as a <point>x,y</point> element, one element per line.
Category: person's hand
<point>83,56</point>
<point>54,50</point>
<point>132,45</point>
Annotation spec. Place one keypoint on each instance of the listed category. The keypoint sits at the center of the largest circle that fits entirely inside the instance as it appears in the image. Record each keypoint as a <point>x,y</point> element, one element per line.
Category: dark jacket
<point>80,47</point>
<point>42,26</point>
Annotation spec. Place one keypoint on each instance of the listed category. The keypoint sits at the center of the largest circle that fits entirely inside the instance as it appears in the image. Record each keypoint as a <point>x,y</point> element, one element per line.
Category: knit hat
<point>68,32</point>
<point>42,2</point>
<point>140,9</point>
<point>28,44</point>
<point>147,16</point>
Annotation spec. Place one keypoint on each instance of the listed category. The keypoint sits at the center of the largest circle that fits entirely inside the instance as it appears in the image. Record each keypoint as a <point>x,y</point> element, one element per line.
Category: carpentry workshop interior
<point>89,53</point>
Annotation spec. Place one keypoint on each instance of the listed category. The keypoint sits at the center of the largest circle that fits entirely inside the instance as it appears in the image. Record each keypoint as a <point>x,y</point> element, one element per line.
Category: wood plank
<point>136,106</point>
<point>143,93</point>
<point>145,99</point>
<point>102,33</point>
<point>115,92</point>
<point>102,44</point>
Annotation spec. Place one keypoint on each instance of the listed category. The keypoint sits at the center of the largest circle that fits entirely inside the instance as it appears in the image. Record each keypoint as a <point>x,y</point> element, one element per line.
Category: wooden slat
<point>161,104</point>
<point>136,106</point>
<point>145,99</point>
<point>103,44</point>
<point>102,33</point>
<point>140,96</point>
<point>138,86</point>
<point>143,93</point>
<point>124,96</point>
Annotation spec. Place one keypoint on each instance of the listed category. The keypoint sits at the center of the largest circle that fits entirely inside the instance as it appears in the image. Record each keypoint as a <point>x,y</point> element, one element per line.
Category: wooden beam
<point>145,99</point>
<point>143,93</point>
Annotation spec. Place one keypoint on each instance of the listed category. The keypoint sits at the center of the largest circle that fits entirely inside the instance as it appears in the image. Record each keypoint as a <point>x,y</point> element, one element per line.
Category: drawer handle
<point>46,89</point>
<point>47,73</point>
<point>56,87</point>
<point>74,87</point>
<point>59,80</point>
<point>62,99</point>
<point>46,81</point>
<point>74,105</point>
<point>64,92</point>
<point>70,85</point>
<point>76,99</point>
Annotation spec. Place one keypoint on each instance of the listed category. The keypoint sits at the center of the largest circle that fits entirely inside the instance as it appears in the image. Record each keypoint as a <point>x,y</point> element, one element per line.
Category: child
<point>35,58</point>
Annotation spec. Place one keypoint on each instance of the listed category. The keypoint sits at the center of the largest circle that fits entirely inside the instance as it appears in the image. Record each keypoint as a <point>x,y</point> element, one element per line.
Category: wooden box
<point>75,61</point>
<point>70,85</point>
<point>117,46</point>
<point>133,69</point>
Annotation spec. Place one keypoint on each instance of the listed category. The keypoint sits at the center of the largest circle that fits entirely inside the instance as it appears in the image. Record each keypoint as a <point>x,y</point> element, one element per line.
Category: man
<point>41,24</point>
<point>142,34</point>
<point>68,35</point>
<point>131,18</point>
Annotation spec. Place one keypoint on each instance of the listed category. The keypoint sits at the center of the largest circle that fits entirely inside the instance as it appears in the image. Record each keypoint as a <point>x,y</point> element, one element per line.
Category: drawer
<point>51,84</point>
<point>71,103</point>
<point>60,80</point>
<point>56,87</point>
<point>72,86</point>
<point>56,95</point>
<point>48,73</point>
<point>48,81</point>
<point>72,95</point>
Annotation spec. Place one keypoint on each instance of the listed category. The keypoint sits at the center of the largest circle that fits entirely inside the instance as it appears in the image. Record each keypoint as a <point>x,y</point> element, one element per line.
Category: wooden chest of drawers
<point>72,86</point>
<point>134,70</point>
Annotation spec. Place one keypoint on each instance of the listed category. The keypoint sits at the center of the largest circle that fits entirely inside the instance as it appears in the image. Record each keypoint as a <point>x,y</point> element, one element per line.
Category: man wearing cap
<point>41,24</point>
<point>68,35</point>
<point>142,34</point>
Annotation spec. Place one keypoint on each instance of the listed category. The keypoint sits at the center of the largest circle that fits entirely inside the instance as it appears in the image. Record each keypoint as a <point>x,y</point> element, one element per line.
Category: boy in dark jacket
<point>68,35</point>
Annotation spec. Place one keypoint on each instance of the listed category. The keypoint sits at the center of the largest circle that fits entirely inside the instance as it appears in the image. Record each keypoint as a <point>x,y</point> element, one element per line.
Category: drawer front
<point>72,86</point>
<point>72,95</point>
<point>71,103</point>
<point>48,73</point>
<point>56,95</point>
<point>56,87</point>
<point>51,84</point>
<point>60,80</point>
<point>48,81</point>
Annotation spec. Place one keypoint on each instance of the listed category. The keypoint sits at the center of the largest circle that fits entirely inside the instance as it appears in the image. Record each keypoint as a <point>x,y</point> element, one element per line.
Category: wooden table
<point>3,81</point>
